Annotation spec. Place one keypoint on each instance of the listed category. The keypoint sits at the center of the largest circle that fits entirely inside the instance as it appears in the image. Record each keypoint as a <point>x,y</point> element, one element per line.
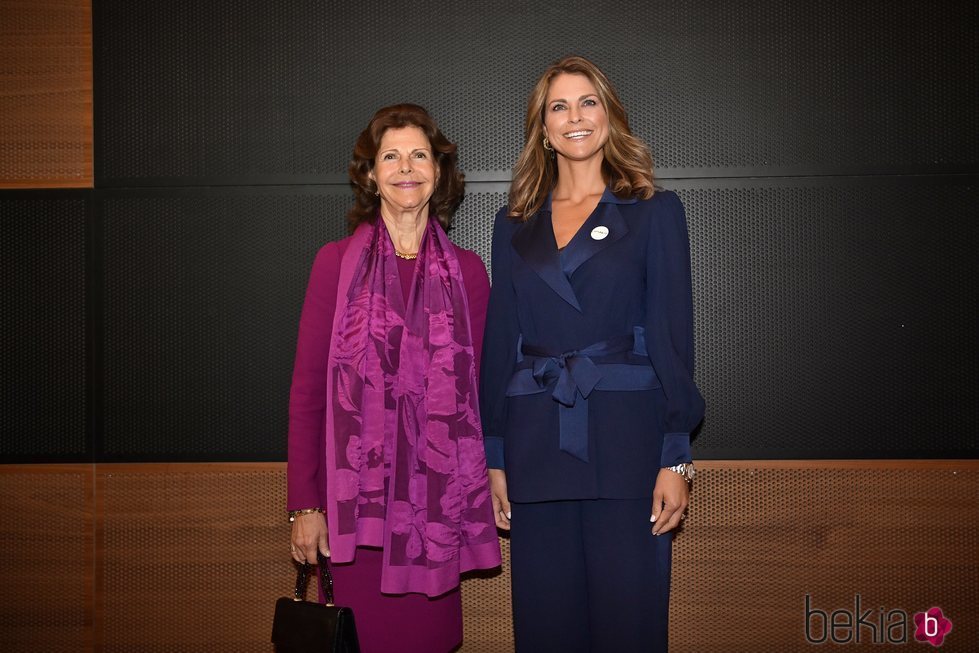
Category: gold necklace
<point>407,257</point>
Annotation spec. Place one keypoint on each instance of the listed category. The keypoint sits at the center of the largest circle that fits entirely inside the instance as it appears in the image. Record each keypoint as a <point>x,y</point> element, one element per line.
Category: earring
<point>547,145</point>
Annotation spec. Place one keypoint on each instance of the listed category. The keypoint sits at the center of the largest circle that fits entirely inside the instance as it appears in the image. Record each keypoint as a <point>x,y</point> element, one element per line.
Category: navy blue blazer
<point>587,387</point>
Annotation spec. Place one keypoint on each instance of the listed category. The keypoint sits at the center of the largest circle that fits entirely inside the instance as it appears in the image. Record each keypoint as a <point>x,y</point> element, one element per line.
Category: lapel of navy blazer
<point>626,267</point>
<point>534,242</point>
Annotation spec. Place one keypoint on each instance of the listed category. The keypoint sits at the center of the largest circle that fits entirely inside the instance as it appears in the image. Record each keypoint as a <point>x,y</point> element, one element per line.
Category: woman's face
<point>404,170</point>
<point>575,121</point>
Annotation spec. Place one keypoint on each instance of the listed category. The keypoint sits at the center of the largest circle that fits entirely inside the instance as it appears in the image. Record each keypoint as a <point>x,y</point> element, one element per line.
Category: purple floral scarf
<point>405,464</point>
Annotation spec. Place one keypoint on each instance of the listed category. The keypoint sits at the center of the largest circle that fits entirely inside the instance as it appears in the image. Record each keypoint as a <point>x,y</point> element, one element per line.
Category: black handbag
<point>302,626</point>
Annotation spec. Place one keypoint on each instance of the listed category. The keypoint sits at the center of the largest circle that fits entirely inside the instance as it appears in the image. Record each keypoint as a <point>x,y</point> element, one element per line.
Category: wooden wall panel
<point>486,610</point>
<point>46,558</point>
<point>194,554</point>
<point>762,535</point>
<point>46,93</point>
<point>191,557</point>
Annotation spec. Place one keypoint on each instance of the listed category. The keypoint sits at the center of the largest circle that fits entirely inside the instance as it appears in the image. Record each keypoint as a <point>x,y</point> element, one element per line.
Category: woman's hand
<point>501,503</point>
<point>670,498</point>
<point>309,534</point>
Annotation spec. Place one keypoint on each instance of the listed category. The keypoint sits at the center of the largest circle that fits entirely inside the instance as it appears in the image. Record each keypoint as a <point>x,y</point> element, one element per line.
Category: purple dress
<point>408,623</point>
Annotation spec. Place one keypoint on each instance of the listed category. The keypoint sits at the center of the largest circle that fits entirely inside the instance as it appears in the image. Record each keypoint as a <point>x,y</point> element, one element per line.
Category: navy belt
<point>574,375</point>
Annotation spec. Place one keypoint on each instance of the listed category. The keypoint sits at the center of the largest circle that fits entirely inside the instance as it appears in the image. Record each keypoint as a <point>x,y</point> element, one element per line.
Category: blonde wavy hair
<point>628,164</point>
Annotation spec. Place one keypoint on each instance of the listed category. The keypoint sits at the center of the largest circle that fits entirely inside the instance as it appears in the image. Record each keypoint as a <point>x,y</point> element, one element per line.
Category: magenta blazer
<point>307,399</point>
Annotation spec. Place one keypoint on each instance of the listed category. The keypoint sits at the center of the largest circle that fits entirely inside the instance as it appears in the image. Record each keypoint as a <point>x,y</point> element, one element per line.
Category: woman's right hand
<point>309,534</point>
<point>501,503</point>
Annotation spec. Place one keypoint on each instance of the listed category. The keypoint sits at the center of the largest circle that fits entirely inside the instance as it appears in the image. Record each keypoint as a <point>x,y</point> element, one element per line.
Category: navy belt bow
<point>574,375</point>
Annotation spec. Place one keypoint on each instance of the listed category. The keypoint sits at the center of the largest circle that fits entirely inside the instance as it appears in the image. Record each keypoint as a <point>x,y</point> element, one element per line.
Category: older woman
<point>386,467</point>
<point>587,390</point>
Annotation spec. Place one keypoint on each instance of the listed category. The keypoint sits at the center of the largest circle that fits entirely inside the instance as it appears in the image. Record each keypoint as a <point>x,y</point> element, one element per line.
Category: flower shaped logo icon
<point>931,626</point>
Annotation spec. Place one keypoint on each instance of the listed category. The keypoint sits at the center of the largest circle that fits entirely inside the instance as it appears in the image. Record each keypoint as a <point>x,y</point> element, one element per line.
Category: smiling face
<point>575,121</point>
<point>405,171</point>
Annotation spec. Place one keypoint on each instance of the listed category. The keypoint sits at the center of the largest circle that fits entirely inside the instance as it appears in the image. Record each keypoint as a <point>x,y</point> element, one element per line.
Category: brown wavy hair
<point>628,164</point>
<point>450,187</point>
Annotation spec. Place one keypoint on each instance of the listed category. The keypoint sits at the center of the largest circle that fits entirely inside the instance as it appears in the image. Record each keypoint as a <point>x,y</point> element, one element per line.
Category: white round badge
<point>599,233</point>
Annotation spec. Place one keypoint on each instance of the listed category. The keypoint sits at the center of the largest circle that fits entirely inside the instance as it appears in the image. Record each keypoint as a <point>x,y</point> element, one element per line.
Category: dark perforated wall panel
<point>203,292</point>
<point>257,90</point>
<point>202,300</point>
<point>826,153</point>
<point>42,325</point>
<point>473,224</point>
<point>835,318</point>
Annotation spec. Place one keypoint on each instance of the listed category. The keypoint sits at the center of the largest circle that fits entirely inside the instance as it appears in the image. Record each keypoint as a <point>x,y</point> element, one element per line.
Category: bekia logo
<point>881,626</point>
<point>932,626</point>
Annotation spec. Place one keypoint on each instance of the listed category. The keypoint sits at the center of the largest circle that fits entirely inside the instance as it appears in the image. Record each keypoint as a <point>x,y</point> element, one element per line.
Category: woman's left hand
<point>670,498</point>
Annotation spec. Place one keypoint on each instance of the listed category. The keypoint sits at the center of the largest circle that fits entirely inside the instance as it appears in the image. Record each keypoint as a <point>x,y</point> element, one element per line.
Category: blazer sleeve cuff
<point>494,452</point>
<point>676,449</point>
<point>301,501</point>
<point>301,489</point>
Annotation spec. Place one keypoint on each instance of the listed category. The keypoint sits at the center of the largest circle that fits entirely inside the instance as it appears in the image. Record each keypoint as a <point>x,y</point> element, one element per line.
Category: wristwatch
<point>685,470</point>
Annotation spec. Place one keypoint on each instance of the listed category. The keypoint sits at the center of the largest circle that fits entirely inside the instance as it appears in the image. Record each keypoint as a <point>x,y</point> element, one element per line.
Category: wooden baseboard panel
<point>191,557</point>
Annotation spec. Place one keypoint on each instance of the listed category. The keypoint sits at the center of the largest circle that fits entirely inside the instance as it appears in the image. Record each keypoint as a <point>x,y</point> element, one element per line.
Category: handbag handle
<point>326,579</point>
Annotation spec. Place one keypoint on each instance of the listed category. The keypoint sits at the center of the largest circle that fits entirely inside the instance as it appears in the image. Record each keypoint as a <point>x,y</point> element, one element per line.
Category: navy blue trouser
<point>589,577</point>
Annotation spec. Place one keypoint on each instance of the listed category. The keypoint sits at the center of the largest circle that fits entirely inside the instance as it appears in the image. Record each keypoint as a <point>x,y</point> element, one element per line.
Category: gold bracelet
<point>305,511</point>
